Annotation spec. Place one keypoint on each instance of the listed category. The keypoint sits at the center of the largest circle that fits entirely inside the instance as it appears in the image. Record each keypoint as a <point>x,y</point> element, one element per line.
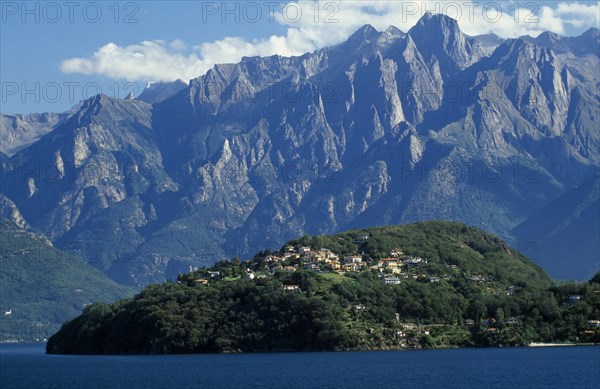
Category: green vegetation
<point>450,286</point>
<point>41,286</point>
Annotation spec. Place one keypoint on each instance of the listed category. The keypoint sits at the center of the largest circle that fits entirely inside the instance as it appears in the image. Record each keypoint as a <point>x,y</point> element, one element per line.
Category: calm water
<point>26,366</point>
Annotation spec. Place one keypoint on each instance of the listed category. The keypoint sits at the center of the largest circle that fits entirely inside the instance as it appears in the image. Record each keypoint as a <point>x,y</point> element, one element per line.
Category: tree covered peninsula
<point>424,285</point>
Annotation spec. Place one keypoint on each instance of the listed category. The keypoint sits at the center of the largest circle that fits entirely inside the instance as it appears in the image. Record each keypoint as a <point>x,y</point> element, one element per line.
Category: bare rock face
<point>160,91</point>
<point>20,131</point>
<point>8,210</point>
<point>384,128</point>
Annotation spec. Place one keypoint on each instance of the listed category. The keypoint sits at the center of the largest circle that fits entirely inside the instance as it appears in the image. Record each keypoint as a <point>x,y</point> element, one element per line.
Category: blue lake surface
<point>26,366</point>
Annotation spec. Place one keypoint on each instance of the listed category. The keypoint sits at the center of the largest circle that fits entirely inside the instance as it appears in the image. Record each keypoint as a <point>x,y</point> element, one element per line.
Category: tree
<point>500,314</point>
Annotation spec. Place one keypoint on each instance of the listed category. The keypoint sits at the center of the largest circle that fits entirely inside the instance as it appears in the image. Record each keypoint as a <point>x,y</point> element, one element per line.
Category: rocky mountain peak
<point>592,33</point>
<point>393,31</point>
<point>391,35</point>
<point>439,38</point>
<point>430,22</point>
<point>105,108</point>
<point>365,34</point>
<point>586,43</point>
<point>156,92</point>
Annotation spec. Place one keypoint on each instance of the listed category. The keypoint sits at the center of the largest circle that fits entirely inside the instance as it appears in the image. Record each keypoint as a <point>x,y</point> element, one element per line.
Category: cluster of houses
<point>304,255</point>
<point>593,324</point>
<point>593,327</point>
<point>215,275</point>
<point>318,260</point>
<point>391,270</point>
<point>491,323</point>
<point>312,260</point>
<point>398,261</point>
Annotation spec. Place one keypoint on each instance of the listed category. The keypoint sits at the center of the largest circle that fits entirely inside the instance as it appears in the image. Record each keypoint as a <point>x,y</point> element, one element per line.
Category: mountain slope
<point>104,154</point>
<point>42,286</point>
<point>563,235</point>
<point>20,131</point>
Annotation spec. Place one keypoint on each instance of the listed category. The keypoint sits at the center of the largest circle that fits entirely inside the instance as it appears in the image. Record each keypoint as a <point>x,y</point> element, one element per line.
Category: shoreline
<point>360,349</point>
<point>541,344</point>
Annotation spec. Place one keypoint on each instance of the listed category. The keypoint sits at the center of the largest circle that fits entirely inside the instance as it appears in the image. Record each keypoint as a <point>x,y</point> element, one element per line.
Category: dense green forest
<point>424,285</point>
<point>42,286</point>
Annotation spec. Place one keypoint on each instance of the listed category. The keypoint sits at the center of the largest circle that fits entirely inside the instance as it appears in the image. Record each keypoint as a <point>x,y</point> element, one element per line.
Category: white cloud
<point>579,15</point>
<point>149,60</point>
<point>335,21</point>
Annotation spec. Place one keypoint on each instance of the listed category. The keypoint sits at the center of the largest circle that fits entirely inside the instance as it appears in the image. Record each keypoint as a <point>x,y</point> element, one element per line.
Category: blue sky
<point>53,54</point>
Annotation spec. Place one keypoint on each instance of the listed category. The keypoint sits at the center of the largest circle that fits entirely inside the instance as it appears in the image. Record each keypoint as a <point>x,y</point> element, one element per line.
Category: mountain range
<point>385,128</point>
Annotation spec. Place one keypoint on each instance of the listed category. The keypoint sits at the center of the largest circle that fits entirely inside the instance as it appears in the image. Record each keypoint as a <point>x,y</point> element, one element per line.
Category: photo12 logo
<point>64,92</point>
<point>291,12</point>
<point>270,11</point>
<point>470,11</point>
<point>69,12</point>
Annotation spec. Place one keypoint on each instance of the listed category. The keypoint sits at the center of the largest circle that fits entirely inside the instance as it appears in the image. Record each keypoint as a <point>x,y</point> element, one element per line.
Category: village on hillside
<point>391,270</point>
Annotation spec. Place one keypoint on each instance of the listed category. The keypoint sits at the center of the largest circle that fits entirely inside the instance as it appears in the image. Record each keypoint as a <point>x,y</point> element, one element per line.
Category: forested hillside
<point>432,284</point>
<point>42,286</point>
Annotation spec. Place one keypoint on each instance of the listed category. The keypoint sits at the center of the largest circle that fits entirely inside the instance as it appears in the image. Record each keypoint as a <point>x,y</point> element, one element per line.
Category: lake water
<point>25,366</point>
